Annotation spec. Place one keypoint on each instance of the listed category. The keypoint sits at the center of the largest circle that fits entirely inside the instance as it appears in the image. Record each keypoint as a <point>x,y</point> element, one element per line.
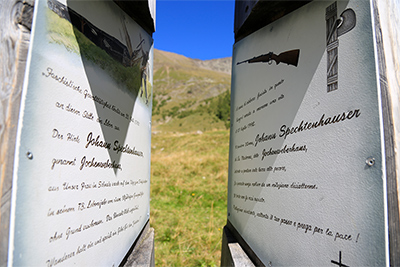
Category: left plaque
<point>81,189</point>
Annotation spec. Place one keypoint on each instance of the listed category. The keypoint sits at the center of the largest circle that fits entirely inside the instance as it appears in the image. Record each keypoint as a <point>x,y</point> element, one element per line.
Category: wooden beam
<point>388,46</point>
<point>15,32</point>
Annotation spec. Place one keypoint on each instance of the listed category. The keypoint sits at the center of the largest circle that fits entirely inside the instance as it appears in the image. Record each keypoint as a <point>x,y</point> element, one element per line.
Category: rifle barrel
<point>244,61</point>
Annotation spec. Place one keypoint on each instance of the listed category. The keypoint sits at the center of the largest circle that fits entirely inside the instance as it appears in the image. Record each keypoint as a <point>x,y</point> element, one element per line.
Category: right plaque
<point>307,182</point>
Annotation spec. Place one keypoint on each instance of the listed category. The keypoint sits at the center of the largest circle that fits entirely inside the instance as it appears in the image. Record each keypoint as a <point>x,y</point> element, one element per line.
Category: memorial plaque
<point>81,188</point>
<point>307,182</point>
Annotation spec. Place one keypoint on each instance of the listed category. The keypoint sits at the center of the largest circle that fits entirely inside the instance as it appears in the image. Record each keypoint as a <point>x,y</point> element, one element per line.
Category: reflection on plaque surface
<point>82,188</point>
<point>306,180</point>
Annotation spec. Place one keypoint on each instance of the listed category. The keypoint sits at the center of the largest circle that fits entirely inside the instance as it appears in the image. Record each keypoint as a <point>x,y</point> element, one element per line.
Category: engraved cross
<point>340,264</point>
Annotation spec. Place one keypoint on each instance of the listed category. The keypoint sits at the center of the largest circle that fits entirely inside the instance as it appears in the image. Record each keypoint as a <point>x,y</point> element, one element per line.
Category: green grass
<point>188,197</point>
<point>209,114</point>
<point>60,31</point>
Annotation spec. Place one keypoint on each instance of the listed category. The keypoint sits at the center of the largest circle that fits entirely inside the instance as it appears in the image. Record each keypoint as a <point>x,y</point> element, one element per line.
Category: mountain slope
<point>188,92</point>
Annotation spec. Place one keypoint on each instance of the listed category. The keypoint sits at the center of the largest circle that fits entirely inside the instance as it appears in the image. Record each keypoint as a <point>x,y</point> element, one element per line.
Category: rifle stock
<point>289,57</point>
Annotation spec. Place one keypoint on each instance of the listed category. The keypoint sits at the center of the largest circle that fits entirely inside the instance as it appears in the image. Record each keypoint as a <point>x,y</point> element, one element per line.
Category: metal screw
<point>370,161</point>
<point>29,155</point>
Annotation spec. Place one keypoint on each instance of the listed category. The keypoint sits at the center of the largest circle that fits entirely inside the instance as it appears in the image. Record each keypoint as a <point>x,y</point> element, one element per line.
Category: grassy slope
<point>188,197</point>
<point>180,86</point>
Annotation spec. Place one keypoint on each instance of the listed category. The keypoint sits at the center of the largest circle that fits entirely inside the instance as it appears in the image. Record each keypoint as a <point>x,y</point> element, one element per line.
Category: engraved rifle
<point>289,57</point>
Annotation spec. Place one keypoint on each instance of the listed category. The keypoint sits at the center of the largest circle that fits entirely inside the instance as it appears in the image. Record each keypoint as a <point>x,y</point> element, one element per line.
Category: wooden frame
<point>16,20</point>
<point>385,43</point>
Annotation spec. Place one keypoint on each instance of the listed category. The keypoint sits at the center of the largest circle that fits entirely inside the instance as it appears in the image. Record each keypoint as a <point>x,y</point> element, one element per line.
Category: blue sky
<point>195,29</point>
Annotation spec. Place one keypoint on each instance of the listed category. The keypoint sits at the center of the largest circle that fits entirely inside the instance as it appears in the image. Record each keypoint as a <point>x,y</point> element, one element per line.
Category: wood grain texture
<point>142,251</point>
<point>232,253</point>
<point>15,21</point>
<point>387,23</point>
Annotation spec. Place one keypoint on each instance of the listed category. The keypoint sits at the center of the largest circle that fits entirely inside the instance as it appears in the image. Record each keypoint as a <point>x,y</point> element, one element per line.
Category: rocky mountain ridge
<point>220,64</point>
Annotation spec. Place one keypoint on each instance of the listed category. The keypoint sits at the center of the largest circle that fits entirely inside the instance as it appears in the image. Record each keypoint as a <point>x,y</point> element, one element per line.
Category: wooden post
<point>386,18</point>
<point>16,20</point>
